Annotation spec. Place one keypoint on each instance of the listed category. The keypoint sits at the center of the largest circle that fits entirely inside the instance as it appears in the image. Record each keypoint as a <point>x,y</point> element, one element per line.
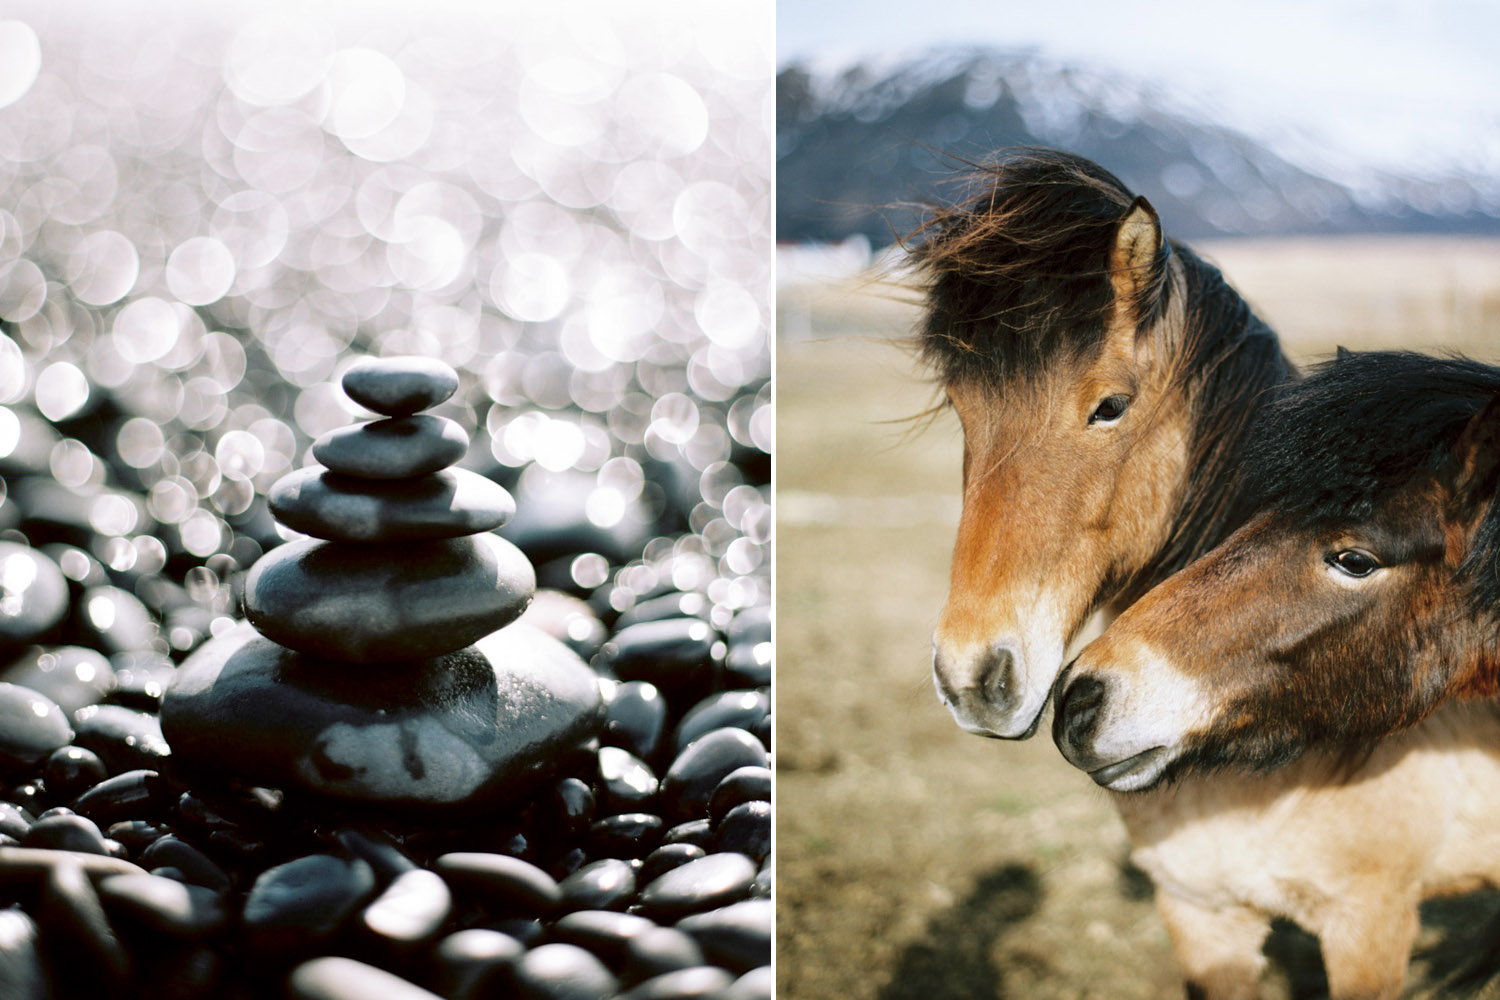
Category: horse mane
<point>1017,278</point>
<point>1361,428</point>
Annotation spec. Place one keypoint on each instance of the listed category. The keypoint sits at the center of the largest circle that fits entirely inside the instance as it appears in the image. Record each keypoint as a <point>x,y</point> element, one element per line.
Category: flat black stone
<point>395,448</point>
<point>625,835</point>
<point>466,963</point>
<point>743,784</point>
<point>563,972</point>
<point>124,738</point>
<point>294,907</point>
<point>500,881</point>
<point>445,504</point>
<point>335,978</point>
<point>679,655</point>
<point>736,937</point>
<point>704,884</point>
<point>606,884</point>
<point>661,950</point>
<point>163,905</point>
<point>399,385</point>
<point>33,594</point>
<point>743,709</point>
<point>690,781</point>
<point>31,727</point>
<point>603,932</point>
<point>72,676</point>
<point>372,604</point>
<point>410,910</point>
<point>667,857</point>
<point>468,729</point>
<point>66,833</point>
<point>703,982</point>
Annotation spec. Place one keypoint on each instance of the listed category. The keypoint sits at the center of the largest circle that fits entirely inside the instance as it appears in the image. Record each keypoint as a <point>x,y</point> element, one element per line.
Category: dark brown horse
<point>1105,378</point>
<point>1363,592</point>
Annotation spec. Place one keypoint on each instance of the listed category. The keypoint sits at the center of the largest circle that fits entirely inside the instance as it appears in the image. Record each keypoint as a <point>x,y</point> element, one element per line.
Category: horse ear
<point>1133,263</point>
<point>1476,458</point>
<point>1342,353</point>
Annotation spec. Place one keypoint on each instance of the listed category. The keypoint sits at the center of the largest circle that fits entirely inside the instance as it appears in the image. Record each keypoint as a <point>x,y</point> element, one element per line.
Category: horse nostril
<point>1078,711</point>
<point>997,677</point>
<point>940,672</point>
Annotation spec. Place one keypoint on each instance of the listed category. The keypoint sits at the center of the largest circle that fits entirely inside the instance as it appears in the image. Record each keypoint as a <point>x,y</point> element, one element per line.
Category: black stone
<point>743,784</point>
<point>677,604</point>
<point>139,794</point>
<point>727,709</point>
<point>70,770</point>
<point>141,678</point>
<point>395,448</point>
<point>606,884</point>
<point>703,982</point>
<point>81,945</point>
<point>690,781</point>
<point>626,835</point>
<point>296,907</point>
<point>757,984</point>
<point>746,829</point>
<point>626,783</point>
<point>115,621</point>
<point>72,676</point>
<point>410,910</point>
<point>679,655</point>
<point>695,832</point>
<point>14,821</point>
<point>373,604</point>
<point>704,884</point>
<point>31,727</point>
<point>562,972</point>
<point>124,738</point>
<point>163,905</point>
<point>196,867</point>
<point>571,807</point>
<point>399,385</point>
<point>66,833</point>
<point>667,857</point>
<point>603,932</point>
<point>23,974</point>
<point>737,936</point>
<point>446,504</point>
<point>636,719</point>
<point>336,978</point>
<point>34,592</point>
<point>505,883</point>
<point>660,950</point>
<point>467,729</point>
<point>474,962</point>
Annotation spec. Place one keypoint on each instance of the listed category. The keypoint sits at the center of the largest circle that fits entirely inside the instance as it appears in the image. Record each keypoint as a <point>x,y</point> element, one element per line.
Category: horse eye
<point>1353,562</point>
<point>1109,410</point>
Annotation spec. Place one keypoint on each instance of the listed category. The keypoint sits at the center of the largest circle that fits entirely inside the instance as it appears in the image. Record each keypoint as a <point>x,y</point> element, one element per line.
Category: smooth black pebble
<point>690,782</point>
<point>709,882</point>
<point>563,972</point>
<point>606,884</point>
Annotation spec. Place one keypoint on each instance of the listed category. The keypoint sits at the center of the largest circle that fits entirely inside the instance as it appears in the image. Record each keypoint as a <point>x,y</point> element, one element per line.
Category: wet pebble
<point>33,595</point>
<point>737,936</point>
<point>500,881</point>
<point>72,676</point>
<point>606,884</point>
<point>705,982</point>
<point>563,972</point>
<point>695,832</point>
<point>660,950</point>
<point>708,882</point>
<point>603,932</point>
<point>112,620</point>
<point>14,821</point>
<point>626,783</point>
<point>410,910</point>
<point>163,905</point>
<point>743,784</point>
<point>126,739</point>
<point>368,604</point>
<point>297,906</point>
<point>397,386</point>
<point>690,782</point>
<point>396,448</point>
<point>66,833</point>
<point>667,857</point>
<point>69,771</point>
<point>636,719</point>
<point>737,709</point>
<point>446,504</point>
<point>336,978</point>
<point>625,835</point>
<point>678,655</point>
<point>474,962</point>
<point>572,806</point>
<point>31,727</point>
<point>138,794</point>
<point>746,829</point>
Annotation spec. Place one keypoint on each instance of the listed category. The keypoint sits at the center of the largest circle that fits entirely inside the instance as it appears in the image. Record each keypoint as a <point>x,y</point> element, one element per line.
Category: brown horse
<point>1105,378</point>
<point>1364,591</point>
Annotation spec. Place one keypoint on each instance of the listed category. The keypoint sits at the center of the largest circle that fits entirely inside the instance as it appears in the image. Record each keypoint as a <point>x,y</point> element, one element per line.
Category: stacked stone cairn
<point>381,663</point>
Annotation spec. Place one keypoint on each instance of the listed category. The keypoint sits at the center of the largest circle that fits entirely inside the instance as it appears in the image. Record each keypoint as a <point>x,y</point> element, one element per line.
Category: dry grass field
<point>916,862</point>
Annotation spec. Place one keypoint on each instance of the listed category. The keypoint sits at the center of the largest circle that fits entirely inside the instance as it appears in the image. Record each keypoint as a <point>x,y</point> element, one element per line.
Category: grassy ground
<point>915,861</point>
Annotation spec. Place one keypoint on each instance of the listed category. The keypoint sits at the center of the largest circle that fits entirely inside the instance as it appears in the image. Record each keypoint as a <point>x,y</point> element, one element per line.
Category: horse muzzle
<point>983,690</point>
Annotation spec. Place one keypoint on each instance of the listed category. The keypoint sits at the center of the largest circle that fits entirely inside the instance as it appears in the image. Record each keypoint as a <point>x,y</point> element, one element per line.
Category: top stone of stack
<point>399,386</point>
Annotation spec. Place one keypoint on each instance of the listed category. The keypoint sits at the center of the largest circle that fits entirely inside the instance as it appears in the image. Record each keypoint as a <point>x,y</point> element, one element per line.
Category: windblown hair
<point>1017,280</point>
<point>1362,428</point>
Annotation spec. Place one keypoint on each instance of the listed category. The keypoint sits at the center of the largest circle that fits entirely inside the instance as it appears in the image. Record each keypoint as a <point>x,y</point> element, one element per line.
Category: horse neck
<point>1231,364</point>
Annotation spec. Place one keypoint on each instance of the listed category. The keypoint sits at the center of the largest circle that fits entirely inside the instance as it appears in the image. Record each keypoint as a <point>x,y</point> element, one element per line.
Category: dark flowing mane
<point>1361,428</point>
<point>1017,279</point>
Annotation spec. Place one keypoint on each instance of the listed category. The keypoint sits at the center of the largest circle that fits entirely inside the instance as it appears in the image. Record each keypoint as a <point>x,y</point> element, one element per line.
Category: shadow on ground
<point>953,958</point>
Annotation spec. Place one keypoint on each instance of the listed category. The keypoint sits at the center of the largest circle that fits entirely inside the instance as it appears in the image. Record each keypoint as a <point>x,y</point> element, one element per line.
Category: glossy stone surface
<point>467,962</point>
<point>445,504</point>
<point>301,902</point>
<point>678,655</point>
<point>626,783</point>
<point>396,448</point>
<point>690,782</point>
<point>508,883</point>
<point>336,978</point>
<point>163,905</point>
<point>743,784</point>
<point>667,857</point>
<point>757,984</point>
<point>33,594</point>
<point>409,910</point>
<point>563,972</point>
<point>66,833</point>
<point>31,726</point>
<point>737,936</point>
<point>743,709</point>
<point>636,719</point>
<point>703,982</point>
<point>370,604</point>
<point>124,738</point>
<point>746,829</point>
<point>709,882</point>
<point>72,676</point>
<point>399,385</point>
<point>467,728</point>
<point>606,884</point>
<point>661,950</point>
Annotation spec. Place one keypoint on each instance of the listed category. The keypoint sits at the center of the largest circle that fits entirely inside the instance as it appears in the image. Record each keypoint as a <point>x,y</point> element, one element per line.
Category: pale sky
<point>1409,85</point>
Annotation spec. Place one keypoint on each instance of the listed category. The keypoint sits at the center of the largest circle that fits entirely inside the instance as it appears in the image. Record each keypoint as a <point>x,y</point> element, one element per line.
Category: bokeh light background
<point>205,216</point>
